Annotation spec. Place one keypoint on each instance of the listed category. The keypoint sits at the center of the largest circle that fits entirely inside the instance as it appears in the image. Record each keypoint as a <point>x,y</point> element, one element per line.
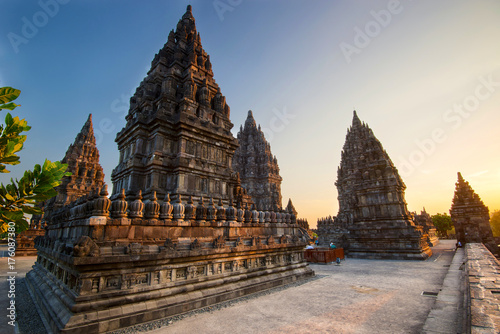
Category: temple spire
<point>470,216</point>
<point>86,134</point>
<point>355,120</point>
<point>250,121</point>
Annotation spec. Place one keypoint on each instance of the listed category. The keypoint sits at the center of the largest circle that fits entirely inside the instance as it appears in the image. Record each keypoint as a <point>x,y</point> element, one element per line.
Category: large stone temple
<point>373,220</point>
<point>178,138</point>
<point>86,176</point>
<point>471,217</point>
<point>257,167</point>
<point>105,264</point>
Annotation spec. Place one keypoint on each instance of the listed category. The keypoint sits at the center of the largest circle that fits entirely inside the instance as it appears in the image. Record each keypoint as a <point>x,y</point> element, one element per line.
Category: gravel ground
<point>209,309</point>
<point>28,320</point>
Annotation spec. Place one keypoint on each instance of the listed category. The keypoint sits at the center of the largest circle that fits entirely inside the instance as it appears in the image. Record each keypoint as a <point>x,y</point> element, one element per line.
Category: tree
<point>495,223</point>
<point>442,222</point>
<point>18,198</point>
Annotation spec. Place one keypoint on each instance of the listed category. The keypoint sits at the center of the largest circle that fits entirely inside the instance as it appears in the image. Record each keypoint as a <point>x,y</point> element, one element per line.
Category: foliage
<point>442,222</point>
<point>495,223</point>
<point>18,198</point>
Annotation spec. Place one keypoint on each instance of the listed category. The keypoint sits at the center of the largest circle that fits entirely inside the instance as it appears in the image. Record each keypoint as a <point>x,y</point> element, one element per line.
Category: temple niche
<point>86,177</point>
<point>257,167</point>
<point>471,217</point>
<point>180,232</point>
<point>425,221</point>
<point>373,220</point>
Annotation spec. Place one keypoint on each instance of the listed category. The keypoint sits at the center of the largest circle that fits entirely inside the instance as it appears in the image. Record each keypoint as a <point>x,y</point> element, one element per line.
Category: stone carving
<point>170,245</point>
<point>195,245</point>
<point>134,248</point>
<point>211,210</point>
<point>221,211</point>
<point>85,246</point>
<point>178,208</point>
<point>201,210</point>
<point>102,203</point>
<point>119,206</point>
<point>166,208</point>
<point>190,210</point>
<point>219,242</point>
<point>471,217</point>
<point>255,241</point>
<point>137,207</point>
<point>238,242</point>
<point>152,207</point>
<point>191,272</point>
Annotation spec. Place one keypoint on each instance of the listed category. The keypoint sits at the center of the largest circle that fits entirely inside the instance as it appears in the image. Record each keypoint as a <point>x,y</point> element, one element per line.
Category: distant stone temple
<point>86,176</point>
<point>425,221</point>
<point>471,217</point>
<point>373,219</point>
<point>180,232</point>
<point>25,241</point>
<point>257,167</point>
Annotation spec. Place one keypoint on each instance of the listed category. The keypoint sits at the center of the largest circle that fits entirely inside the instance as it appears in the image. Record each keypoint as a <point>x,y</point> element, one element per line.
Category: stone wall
<point>104,265</point>
<point>483,284</point>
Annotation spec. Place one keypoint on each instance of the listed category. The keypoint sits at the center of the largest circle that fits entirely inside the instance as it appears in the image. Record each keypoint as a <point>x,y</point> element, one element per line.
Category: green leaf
<point>9,106</point>
<point>8,94</point>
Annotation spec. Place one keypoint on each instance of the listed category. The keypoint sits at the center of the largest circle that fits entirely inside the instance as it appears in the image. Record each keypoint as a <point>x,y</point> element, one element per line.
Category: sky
<point>424,75</point>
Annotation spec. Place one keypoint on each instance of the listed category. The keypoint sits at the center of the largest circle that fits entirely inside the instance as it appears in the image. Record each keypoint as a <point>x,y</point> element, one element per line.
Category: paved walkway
<point>359,296</point>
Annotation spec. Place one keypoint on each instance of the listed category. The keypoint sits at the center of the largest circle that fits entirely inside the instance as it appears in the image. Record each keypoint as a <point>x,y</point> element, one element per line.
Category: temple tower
<point>258,168</point>
<point>471,217</point>
<point>372,203</point>
<point>87,174</point>
<point>177,138</point>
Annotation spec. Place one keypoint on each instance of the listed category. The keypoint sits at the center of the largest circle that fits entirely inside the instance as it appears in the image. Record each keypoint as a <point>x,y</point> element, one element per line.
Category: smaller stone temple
<point>471,217</point>
<point>373,219</point>
<point>257,167</point>
<point>25,241</point>
<point>86,176</point>
<point>425,220</point>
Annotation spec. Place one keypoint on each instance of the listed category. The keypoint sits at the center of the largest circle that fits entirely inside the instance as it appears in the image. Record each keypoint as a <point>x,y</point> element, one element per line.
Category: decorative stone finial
<point>190,209</point>
<point>102,203</point>
<point>178,208</point>
<point>152,207</point>
<point>166,208</point>
<point>137,207</point>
